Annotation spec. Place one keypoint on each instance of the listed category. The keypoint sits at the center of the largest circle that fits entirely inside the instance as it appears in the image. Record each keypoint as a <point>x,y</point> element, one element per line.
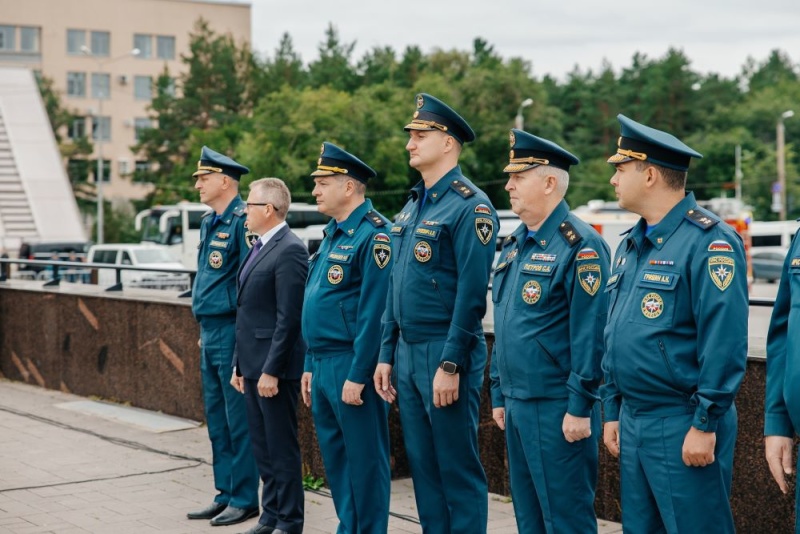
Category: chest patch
<point>423,252</point>
<point>531,292</point>
<point>215,259</point>
<point>335,274</point>
<point>652,305</point>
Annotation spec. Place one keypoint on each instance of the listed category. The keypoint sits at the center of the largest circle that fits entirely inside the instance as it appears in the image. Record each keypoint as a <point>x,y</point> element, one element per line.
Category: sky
<point>554,36</point>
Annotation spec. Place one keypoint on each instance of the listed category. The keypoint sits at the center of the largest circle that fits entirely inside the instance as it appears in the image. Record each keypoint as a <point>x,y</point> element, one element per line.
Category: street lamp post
<point>780,134</point>
<point>519,120</point>
<point>99,137</point>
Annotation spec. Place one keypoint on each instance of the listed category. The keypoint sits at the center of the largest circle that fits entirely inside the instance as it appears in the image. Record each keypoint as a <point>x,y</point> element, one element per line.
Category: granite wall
<point>143,350</point>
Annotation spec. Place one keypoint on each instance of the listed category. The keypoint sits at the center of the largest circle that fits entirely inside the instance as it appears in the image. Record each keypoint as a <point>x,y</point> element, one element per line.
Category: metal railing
<point>82,272</point>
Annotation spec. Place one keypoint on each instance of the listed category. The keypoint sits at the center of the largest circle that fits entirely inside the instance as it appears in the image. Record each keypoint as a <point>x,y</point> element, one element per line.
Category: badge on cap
<point>215,259</point>
<point>512,140</point>
<point>420,101</point>
<point>721,270</point>
<point>531,292</point>
<point>652,305</point>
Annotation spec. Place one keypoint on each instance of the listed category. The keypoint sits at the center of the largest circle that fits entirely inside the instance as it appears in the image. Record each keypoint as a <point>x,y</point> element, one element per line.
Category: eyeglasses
<point>249,204</point>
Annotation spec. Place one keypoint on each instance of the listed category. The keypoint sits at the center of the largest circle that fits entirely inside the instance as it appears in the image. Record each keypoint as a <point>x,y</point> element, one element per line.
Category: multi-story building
<point>104,57</point>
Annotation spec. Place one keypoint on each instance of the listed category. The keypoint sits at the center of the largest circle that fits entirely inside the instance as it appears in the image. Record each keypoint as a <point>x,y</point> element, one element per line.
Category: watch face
<point>449,367</point>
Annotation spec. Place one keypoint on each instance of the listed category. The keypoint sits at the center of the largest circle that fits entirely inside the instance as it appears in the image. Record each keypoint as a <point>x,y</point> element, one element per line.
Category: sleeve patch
<point>587,254</point>
<point>483,209</point>
<point>590,277</point>
<point>484,228</point>
<point>721,269</point>
<point>720,246</point>
<point>382,238</point>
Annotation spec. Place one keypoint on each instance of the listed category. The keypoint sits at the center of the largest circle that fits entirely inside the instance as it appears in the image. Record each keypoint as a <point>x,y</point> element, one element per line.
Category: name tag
<point>537,268</point>
<point>339,258</point>
<point>429,233</point>
<point>219,244</point>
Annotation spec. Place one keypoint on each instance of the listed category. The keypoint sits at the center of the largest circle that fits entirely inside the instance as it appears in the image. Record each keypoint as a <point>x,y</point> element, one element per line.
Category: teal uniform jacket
<point>221,250</point>
<point>783,353</point>
<point>549,313</point>
<point>443,261</point>
<point>345,292</point>
<point>677,318</point>
<point>344,299</point>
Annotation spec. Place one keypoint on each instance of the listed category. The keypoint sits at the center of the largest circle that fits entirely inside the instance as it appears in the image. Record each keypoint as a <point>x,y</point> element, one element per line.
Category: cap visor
<point>619,158</point>
<point>200,173</point>
<point>322,173</point>
<point>519,167</point>
<point>421,127</point>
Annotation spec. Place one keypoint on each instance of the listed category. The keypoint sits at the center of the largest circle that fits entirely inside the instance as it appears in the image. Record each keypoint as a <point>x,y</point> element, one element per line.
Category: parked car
<point>49,250</point>
<point>139,255</point>
<point>768,263</point>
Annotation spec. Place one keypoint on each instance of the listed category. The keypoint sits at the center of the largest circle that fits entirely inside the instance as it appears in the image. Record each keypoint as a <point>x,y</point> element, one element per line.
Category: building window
<point>78,170</point>
<point>142,87</point>
<point>101,128</point>
<point>76,84</point>
<point>76,40</point>
<point>29,39</point>
<point>142,172</point>
<point>144,42</point>
<point>101,85</point>
<point>77,129</point>
<point>8,38</point>
<point>139,125</point>
<point>165,47</point>
<point>101,43</point>
<point>106,170</point>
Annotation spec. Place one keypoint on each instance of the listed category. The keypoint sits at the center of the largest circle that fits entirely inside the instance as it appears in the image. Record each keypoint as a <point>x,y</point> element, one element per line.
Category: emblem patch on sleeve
<point>381,252</point>
<point>652,305</point>
<point>531,292</point>
<point>720,246</point>
<point>721,270</point>
<point>335,274</point>
<point>484,227</point>
<point>587,254</point>
<point>250,238</point>
<point>590,277</point>
<point>215,259</point>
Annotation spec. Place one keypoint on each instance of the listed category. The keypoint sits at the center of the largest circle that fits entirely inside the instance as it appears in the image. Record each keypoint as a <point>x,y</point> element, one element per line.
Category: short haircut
<point>273,191</point>
<point>562,177</point>
<point>675,180</point>
<point>360,187</point>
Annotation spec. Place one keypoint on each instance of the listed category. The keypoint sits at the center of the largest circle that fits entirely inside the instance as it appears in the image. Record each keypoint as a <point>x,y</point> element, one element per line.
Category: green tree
<point>334,66</point>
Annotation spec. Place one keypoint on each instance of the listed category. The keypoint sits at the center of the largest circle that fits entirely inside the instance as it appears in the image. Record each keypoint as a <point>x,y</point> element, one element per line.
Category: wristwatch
<point>449,368</point>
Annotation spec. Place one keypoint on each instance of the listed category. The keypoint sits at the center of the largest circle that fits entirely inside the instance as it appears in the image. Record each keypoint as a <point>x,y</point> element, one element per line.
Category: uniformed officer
<point>444,243</point>
<point>545,370</point>
<point>223,245</point>
<point>782,418</point>
<point>344,299</point>
<point>675,342</point>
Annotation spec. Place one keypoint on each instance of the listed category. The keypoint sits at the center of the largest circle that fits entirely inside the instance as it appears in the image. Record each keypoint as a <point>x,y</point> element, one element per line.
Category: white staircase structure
<point>36,198</point>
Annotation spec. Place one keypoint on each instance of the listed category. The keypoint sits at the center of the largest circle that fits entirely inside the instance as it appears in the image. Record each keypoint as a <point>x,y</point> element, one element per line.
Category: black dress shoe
<point>210,511</point>
<point>232,515</point>
<point>261,529</point>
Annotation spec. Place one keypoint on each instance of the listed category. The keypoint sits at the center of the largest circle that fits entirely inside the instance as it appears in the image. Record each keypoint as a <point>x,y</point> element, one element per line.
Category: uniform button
<point>703,419</point>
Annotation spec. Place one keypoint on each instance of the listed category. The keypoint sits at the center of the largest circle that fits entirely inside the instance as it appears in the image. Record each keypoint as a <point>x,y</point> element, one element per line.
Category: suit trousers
<point>354,441</point>
<point>552,481</point>
<point>235,472</point>
<point>662,494</point>
<point>450,485</point>
<point>273,432</point>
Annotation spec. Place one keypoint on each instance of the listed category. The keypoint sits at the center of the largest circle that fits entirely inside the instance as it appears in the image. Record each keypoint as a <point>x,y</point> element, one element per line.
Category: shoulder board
<point>569,233</point>
<point>376,219</point>
<point>462,189</point>
<point>238,211</point>
<point>701,218</point>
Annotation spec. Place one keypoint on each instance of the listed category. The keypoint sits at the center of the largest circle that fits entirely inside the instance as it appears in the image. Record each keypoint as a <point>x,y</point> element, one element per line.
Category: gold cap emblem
<point>420,101</point>
<point>511,140</point>
<point>322,149</point>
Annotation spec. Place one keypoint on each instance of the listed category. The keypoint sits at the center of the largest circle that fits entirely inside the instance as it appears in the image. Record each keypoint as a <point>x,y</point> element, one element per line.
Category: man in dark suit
<point>269,354</point>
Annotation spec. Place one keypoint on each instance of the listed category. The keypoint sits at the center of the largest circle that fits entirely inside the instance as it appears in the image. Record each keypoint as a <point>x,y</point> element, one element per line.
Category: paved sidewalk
<point>68,472</point>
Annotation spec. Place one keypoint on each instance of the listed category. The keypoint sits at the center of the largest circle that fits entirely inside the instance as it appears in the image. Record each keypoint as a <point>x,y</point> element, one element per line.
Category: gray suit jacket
<point>270,305</point>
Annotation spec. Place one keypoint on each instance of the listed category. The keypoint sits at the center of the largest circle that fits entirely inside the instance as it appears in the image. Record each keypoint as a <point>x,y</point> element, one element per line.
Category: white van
<point>139,255</point>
